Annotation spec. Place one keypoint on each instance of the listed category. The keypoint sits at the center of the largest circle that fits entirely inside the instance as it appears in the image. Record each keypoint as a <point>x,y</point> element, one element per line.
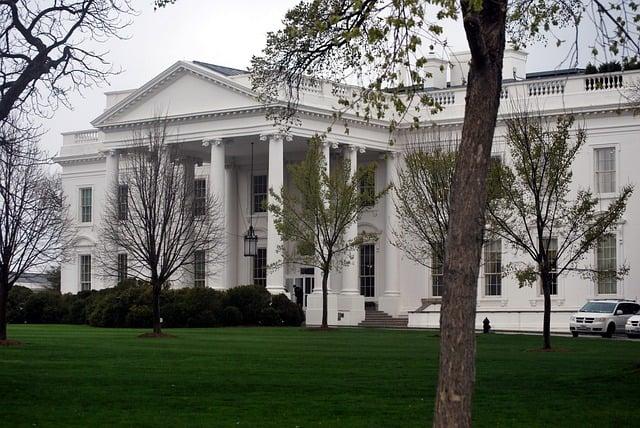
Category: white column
<point>216,187</point>
<point>112,167</point>
<point>390,300</point>
<point>275,277</point>
<point>326,154</point>
<point>189,166</point>
<point>231,217</point>
<point>350,272</point>
<point>112,172</point>
<point>350,302</point>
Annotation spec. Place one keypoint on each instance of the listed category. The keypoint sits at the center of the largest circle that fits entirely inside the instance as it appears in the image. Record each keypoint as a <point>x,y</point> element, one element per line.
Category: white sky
<point>220,32</point>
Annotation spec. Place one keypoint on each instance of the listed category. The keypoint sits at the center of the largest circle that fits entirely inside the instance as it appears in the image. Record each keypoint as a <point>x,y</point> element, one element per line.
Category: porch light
<point>250,243</point>
<point>250,238</point>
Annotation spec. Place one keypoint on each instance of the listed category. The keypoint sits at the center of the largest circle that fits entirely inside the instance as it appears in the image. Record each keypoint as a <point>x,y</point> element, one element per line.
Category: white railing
<point>90,136</point>
<point>444,98</point>
<point>546,87</point>
<point>598,83</point>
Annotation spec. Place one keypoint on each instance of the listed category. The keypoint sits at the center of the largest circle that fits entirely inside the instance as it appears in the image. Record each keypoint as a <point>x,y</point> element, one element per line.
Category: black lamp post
<point>250,238</point>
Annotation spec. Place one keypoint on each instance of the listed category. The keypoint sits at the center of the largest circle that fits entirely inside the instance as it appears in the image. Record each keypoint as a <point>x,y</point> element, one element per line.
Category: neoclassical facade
<point>215,119</point>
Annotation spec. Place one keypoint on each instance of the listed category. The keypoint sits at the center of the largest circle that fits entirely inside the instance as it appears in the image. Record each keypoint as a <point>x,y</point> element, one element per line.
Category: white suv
<point>604,317</point>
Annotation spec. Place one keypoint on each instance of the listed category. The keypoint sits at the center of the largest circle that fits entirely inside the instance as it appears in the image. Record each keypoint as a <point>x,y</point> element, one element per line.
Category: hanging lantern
<point>250,243</point>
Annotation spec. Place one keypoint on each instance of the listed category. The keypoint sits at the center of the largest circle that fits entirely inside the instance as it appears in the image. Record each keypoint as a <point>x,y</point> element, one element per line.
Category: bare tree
<point>153,217</point>
<point>45,49</point>
<point>35,227</point>
<point>530,206</point>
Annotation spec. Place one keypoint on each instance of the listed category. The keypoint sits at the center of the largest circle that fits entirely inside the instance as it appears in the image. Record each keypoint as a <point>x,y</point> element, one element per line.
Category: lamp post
<point>250,238</point>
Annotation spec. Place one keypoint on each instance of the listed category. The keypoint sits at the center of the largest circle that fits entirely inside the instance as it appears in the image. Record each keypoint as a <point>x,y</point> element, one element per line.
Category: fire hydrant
<point>486,326</point>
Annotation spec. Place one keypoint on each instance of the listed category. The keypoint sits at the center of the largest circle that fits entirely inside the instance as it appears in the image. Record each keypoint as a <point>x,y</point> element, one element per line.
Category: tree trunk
<point>546,322</point>
<point>4,297</point>
<point>485,31</point>
<point>157,328</point>
<point>325,278</point>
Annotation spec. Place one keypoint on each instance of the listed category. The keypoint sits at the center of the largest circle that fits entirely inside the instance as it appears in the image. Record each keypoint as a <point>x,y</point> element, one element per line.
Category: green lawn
<point>82,376</point>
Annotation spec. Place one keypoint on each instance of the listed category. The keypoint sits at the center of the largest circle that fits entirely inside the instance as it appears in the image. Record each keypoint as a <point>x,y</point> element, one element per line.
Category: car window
<point>629,308</point>
<point>599,307</point>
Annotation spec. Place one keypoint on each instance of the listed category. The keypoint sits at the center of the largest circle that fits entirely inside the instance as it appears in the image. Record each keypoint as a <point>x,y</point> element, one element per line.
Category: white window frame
<point>540,292</point>
<point>197,280</point>
<point>250,189</point>
<point>616,281</point>
<point>487,274</point>
<point>80,272</point>
<point>80,206</point>
<point>123,269</point>
<point>601,146</point>
<point>202,198</point>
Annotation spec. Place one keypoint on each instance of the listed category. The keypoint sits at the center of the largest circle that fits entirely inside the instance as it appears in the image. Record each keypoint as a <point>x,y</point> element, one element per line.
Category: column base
<point>350,309</point>
<point>313,313</point>
<point>390,305</point>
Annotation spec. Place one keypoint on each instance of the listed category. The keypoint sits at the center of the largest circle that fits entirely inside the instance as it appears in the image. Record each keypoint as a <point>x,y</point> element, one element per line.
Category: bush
<point>289,312</point>
<point>231,316</point>
<point>110,307</point>
<point>16,303</point>
<point>192,307</point>
<point>269,317</point>
<point>139,316</point>
<point>250,299</point>
<point>45,308</point>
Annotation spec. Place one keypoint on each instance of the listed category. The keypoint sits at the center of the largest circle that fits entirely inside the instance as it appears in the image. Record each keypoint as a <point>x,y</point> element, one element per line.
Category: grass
<point>82,376</point>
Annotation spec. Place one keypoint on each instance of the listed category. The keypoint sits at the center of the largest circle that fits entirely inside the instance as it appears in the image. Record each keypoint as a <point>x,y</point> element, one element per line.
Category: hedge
<point>129,305</point>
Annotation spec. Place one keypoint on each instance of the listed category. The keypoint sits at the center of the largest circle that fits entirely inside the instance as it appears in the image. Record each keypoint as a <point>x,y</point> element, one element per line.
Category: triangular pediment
<point>182,90</point>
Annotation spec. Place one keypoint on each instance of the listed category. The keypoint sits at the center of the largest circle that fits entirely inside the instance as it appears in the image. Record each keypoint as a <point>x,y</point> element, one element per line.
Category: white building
<point>214,117</point>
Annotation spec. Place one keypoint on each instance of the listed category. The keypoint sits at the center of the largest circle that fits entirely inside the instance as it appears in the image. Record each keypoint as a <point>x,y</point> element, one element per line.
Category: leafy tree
<point>532,208</point>
<point>35,227</point>
<point>45,50</point>
<point>421,196</point>
<point>317,210</point>
<point>383,45</point>
<point>151,215</point>
<point>54,278</point>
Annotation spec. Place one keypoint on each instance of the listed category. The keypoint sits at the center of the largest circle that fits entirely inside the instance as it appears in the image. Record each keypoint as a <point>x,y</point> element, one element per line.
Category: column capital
<point>212,141</point>
<point>348,147</point>
<point>110,152</point>
<point>390,155</point>
<point>276,135</point>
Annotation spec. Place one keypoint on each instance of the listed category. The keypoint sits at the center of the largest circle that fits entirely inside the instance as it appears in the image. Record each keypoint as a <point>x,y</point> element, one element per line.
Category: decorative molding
<point>212,141</point>
<point>276,135</point>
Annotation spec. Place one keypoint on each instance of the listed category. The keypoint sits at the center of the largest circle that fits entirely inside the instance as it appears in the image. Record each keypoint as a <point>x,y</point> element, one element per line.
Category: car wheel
<point>574,333</point>
<point>611,328</point>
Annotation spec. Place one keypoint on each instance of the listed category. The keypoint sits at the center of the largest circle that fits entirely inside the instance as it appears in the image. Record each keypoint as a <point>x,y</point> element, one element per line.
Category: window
<point>552,253</point>
<point>260,190</point>
<point>85,204</point>
<point>123,202</point>
<point>85,272</point>
<point>606,261</point>
<point>367,270</point>
<point>199,269</point>
<point>199,196</point>
<point>260,267</point>
<point>437,274</point>
<point>368,188</point>
<point>493,268</point>
<point>605,169</point>
<point>122,267</point>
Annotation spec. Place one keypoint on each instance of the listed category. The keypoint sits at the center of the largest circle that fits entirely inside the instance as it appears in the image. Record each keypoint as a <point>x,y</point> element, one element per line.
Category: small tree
<point>532,209</point>
<point>317,211</point>
<point>153,217</point>
<point>35,227</point>
<point>422,197</point>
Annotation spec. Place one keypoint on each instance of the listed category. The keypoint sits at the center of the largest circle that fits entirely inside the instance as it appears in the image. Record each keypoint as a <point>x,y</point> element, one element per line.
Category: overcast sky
<point>221,32</point>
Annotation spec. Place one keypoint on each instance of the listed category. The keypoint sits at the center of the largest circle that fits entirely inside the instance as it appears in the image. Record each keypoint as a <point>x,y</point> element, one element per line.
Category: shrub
<point>191,307</point>
<point>250,299</point>
<point>44,308</point>
<point>110,307</point>
<point>290,313</point>
<point>139,316</point>
<point>231,316</point>
<point>269,317</point>
<point>16,303</point>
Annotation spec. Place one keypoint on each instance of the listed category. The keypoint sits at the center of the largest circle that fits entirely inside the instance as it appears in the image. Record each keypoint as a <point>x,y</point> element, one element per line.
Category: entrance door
<point>309,282</point>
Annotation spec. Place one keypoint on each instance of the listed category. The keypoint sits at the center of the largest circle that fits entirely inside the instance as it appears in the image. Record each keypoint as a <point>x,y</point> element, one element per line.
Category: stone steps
<point>379,319</point>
